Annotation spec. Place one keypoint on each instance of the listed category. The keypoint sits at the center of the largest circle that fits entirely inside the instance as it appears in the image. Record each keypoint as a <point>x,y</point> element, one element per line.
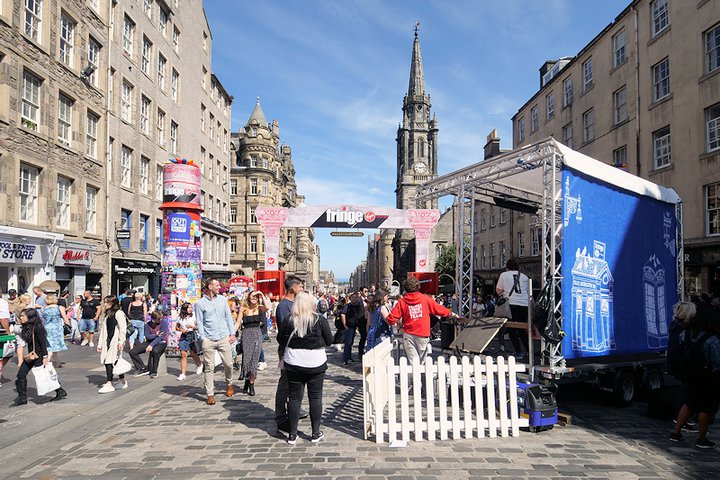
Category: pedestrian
<point>188,334</point>
<point>40,301</point>
<point>251,316</point>
<point>215,326</point>
<point>137,312</point>
<point>514,285</point>
<point>89,314</point>
<point>154,345</point>
<point>414,310</point>
<point>33,334</point>
<point>340,309</point>
<point>54,319</point>
<point>13,301</point>
<point>73,313</point>
<point>304,337</point>
<point>352,318</point>
<point>377,313</point>
<point>126,299</point>
<point>111,342</point>
<point>5,326</point>
<point>293,286</point>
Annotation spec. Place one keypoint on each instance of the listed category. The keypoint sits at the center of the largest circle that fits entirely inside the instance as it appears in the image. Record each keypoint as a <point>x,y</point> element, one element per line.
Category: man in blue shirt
<point>215,326</point>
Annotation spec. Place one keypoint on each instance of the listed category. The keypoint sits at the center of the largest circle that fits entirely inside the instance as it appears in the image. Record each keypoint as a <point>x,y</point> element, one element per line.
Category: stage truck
<point>611,254</point>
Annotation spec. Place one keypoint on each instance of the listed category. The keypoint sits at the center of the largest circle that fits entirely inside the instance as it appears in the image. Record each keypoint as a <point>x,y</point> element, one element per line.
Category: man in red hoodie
<point>414,309</point>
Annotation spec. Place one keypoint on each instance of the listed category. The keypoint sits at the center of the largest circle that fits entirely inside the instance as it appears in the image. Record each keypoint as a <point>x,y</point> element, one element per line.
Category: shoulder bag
<point>31,356</point>
<point>281,363</point>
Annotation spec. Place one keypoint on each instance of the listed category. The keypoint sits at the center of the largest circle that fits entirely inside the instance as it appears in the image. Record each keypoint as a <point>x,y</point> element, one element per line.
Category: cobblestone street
<point>161,429</point>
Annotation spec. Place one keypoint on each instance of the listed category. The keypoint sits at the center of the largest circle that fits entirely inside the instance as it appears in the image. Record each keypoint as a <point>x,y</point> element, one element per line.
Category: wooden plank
<point>490,391</point>
<point>392,405</point>
<point>442,397</point>
<point>502,396</point>
<point>430,368</point>
<point>455,397</point>
<point>479,404</point>
<point>404,401</point>
<point>467,398</point>
<point>417,398</point>
<point>512,386</point>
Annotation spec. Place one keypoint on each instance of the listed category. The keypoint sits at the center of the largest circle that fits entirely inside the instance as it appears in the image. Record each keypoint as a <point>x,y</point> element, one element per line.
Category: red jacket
<point>415,309</point>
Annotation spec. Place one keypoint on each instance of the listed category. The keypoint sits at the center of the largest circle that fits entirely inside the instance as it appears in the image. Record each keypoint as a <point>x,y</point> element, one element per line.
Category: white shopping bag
<point>46,379</point>
<point>8,350</point>
<point>121,366</point>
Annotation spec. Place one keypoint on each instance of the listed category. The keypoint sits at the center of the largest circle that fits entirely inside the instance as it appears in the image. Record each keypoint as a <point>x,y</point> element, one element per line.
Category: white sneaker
<point>107,388</point>
<point>200,369</point>
<point>83,343</point>
<point>92,344</point>
<point>262,366</point>
<point>120,385</point>
<point>182,377</point>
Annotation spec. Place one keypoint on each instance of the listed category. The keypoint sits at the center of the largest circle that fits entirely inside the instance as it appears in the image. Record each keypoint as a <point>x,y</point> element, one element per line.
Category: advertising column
<point>181,247</point>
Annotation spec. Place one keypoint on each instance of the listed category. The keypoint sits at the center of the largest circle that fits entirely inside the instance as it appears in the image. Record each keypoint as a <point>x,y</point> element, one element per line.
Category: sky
<point>333,73</point>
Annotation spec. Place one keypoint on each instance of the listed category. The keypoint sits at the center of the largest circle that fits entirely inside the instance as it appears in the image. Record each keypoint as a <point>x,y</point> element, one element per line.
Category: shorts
<point>87,325</point>
<point>700,397</point>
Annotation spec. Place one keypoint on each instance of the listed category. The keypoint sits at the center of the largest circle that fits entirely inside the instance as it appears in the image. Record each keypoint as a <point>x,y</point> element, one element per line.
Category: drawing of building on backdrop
<point>655,303</point>
<point>592,301</point>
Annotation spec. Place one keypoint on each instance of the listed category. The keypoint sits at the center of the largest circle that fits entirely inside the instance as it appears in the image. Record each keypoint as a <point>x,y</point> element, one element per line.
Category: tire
<point>625,387</point>
<point>654,379</point>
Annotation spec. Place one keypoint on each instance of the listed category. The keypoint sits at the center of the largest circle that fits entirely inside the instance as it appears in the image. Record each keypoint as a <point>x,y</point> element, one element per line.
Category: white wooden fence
<point>441,401</point>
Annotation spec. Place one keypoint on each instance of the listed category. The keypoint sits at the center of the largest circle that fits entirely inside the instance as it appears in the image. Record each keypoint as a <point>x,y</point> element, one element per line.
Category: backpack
<point>686,359</point>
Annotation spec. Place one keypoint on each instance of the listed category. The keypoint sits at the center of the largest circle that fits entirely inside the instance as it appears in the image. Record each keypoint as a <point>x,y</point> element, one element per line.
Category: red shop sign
<point>72,256</point>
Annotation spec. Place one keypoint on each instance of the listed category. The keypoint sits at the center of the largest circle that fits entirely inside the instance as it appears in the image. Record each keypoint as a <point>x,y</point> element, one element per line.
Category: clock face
<point>420,167</point>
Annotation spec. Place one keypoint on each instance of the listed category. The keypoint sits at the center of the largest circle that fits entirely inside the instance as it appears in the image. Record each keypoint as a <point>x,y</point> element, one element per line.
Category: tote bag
<point>121,366</point>
<point>503,310</point>
<point>46,379</point>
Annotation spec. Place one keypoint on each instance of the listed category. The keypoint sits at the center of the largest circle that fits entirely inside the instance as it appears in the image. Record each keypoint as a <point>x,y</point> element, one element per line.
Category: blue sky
<point>334,73</point>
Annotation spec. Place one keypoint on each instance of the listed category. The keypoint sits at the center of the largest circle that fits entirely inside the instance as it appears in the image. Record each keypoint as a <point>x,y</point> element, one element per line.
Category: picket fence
<point>389,413</point>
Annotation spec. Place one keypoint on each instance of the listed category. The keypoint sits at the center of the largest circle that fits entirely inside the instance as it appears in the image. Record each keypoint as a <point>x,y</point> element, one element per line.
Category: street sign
<point>347,234</point>
<point>122,234</point>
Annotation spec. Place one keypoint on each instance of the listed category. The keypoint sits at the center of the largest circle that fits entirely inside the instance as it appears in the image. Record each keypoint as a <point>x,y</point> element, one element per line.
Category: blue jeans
<point>87,325</point>
<point>262,354</point>
<point>139,332</point>
<point>349,340</point>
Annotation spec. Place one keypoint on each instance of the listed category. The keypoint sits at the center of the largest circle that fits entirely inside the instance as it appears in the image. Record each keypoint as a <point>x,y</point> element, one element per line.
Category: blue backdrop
<point>618,266</point>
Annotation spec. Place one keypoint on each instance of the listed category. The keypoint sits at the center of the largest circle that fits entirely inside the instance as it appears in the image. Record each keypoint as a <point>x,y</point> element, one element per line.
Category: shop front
<point>26,257</point>
<point>73,264</point>
<point>140,275</point>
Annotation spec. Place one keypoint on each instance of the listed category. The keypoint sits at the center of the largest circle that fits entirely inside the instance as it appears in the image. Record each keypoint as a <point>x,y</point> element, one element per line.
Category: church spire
<point>257,116</point>
<point>417,78</point>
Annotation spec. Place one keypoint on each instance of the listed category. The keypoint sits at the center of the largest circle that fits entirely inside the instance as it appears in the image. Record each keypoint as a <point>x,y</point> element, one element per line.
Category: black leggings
<point>297,382</point>
<point>109,372</point>
<point>519,337</point>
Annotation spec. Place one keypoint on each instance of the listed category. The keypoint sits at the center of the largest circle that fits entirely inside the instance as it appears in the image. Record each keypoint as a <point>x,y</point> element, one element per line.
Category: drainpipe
<point>108,166</point>
<point>637,93</point>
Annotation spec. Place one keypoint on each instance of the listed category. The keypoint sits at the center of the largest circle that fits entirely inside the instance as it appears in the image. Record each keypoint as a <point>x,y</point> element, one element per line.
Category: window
<point>174,85</point>
<point>67,40</point>
<point>217,210</point>
<point>712,120</point>
<point>233,187</point>
<point>253,215</point>
<point>91,135</point>
<point>501,247</point>
<point>204,41</point>
<point>533,119</point>
<point>146,56</point>
<point>210,165</point>
<point>93,58</point>
<point>125,222</point>
<point>217,135</point>
<point>233,245</point>
<point>145,115</point>
<point>160,127</point>
<point>265,163</point>
<point>535,234</point>
<point>588,125</point>
<point>126,167</point>
<point>503,216</point>
<point>253,161</point>
<point>28,193</point>
<point>253,244</point>
<point>483,219</point>
<point>521,129</point>
<point>162,62</point>
<point>90,209</point>
<point>202,118</point>
<point>712,208</point>
<point>62,202</point>
<point>163,23</point>
<point>482,256</point>
<point>95,4</point>
<point>176,39</point>
<point>659,13</point>
<point>661,80</point>
<point>203,79</point>
<point>567,134</point>
<point>158,236</point>
<point>144,175</point>
<point>567,92</point>
<point>619,48</point>
<point>30,101</point>
<point>210,126</point>
<point>126,102</point>
<point>492,255</point>
<point>65,111</point>
<point>233,214</point>
<point>587,68</point>
<point>620,157</point>
<point>158,182</point>
<point>147,8</point>
<point>492,217</point>
<point>521,244</point>
<point>209,206</point>
<point>712,49</point>
<point>264,187</point>
<point>128,36</point>
<point>253,186</point>
<point>173,137</point>
<point>550,103</point>
<point>620,105</point>
<point>143,233</point>
<point>661,147</point>
<point>33,19</point>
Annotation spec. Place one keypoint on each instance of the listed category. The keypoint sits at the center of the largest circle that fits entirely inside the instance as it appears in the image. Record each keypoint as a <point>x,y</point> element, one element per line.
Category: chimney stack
<point>492,147</point>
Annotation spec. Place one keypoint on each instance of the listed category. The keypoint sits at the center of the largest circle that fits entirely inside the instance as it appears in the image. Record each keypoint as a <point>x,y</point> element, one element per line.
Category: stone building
<point>642,96</point>
<point>263,173</point>
<point>164,101</point>
<point>53,60</point>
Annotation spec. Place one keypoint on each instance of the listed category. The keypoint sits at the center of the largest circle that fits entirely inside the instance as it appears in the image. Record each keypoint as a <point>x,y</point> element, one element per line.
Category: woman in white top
<point>187,328</point>
<point>514,285</point>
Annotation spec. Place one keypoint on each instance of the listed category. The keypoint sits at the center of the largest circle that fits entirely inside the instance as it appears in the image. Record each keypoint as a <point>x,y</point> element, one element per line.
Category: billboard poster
<point>619,269</point>
<point>178,226</point>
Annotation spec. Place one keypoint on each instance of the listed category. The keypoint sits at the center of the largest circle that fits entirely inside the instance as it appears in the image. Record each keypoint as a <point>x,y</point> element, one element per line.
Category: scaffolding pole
<point>465,251</point>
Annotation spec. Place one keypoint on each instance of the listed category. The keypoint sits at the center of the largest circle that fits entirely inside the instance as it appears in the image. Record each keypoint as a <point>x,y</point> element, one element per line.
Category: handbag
<point>31,356</point>
<point>281,363</point>
<point>129,330</point>
<point>196,343</point>
<point>502,308</point>
<point>66,329</point>
<point>121,366</point>
<point>46,378</point>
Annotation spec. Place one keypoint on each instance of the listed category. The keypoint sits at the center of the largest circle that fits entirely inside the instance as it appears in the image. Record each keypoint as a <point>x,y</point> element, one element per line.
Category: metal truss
<point>465,255</point>
<point>679,235</point>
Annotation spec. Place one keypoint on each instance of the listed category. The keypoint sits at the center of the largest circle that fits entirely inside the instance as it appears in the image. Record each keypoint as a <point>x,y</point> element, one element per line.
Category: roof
<point>257,115</point>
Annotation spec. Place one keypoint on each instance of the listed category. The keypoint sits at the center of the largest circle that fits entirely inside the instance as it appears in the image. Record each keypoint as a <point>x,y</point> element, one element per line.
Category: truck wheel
<point>624,388</point>
<point>654,379</point>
